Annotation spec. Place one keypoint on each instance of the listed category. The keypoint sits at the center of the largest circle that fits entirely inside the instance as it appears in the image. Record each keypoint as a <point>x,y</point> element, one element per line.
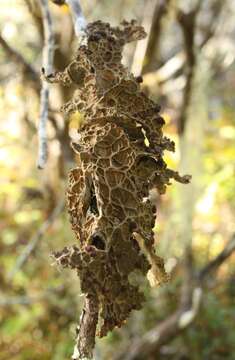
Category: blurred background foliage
<point>39,304</point>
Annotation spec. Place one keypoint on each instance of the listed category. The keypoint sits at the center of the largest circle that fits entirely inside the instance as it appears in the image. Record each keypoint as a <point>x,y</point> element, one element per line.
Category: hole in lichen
<point>98,242</point>
<point>93,202</point>
<point>77,73</point>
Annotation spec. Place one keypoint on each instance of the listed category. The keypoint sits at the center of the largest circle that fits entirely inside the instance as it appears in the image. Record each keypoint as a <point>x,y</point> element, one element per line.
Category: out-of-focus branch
<point>6,301</point>
<point>209,30</point>
<point>166,71</point>
<point>48,54</point>
<point>28,71</point>
<point>78,17</point>
<point>160,11</point>
<point>36,238</point>
<point>172,67</point>
<point>34,10</point>
<point>175,64</point>
<point>162,334</point>
<point>192,289</point>
<point>17,58</point>
<point>215,263</point>
<point>187,22</point>
<point>183,317</point>
<point>141,46</point>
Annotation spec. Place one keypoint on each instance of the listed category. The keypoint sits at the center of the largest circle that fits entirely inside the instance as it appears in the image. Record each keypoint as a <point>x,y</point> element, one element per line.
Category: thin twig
<point>79,20</point>
<point>48,55</point>
<point>35,239</point>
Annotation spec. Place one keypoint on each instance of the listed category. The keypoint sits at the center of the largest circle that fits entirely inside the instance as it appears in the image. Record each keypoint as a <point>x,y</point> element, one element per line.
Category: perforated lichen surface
<point>119,160</point>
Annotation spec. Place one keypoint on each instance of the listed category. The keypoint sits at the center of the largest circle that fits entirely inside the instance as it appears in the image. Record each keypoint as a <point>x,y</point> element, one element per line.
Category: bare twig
<point>48,55</point>
<point>78,17</point>
<point>87,329</point>
<point>35,239</point>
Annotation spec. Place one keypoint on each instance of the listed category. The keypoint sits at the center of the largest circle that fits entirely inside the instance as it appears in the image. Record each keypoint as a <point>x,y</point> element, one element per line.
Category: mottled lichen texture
<point>119,160</point>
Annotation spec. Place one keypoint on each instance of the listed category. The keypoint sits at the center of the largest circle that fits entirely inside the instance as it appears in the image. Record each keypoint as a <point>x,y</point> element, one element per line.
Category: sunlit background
<point>40,303</point>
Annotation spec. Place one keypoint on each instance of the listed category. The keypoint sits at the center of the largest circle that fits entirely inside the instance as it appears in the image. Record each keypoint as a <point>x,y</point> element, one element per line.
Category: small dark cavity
<point>98,242</point>
<point>157,108</point>
<point>76,147</point>
<point>101,33</point>
<point>93,203</point>
<point>94,38</point>
<point>139,79</point>
<point>159,120</point>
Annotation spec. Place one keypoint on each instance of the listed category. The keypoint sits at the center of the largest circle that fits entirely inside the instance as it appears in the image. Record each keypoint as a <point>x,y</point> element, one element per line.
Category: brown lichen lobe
<point>108,192</point>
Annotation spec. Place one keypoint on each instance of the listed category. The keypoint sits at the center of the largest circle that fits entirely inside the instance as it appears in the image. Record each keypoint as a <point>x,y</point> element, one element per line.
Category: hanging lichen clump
<point>119,160</point>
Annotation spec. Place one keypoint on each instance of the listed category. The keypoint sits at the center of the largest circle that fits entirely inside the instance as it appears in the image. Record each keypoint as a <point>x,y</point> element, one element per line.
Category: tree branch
<point>15,56</point>
<point>168,329</point>
<point>87,329</point>
<point>48,54</point>
<point>215,263</point>
<point>33,8</point>
<point>166,71</point>
<point>79,20</point>
<point>141,46</point>
<point>176,63</point>
<point>187,22</point>
<point>6,301</point>
<point>161,9</point>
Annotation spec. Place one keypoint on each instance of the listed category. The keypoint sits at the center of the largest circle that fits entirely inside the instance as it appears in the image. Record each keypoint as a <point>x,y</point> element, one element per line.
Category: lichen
<point>119,160</point>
